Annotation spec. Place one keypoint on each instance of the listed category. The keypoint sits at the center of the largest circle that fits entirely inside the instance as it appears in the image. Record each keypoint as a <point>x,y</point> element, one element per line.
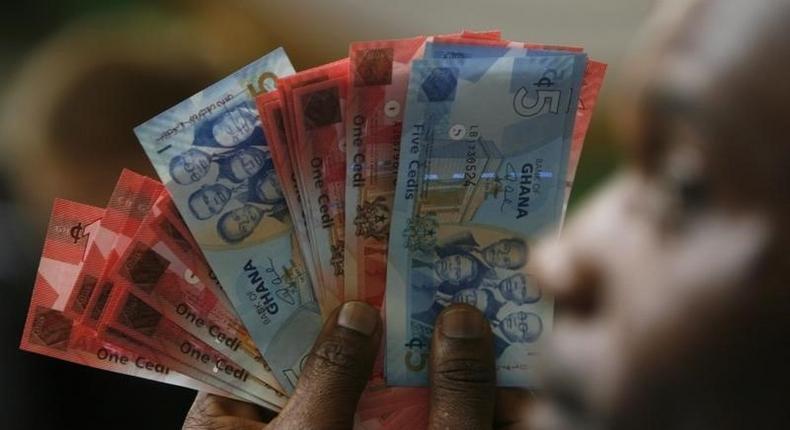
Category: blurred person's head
<point>673,285</point>
<point>67,117</point>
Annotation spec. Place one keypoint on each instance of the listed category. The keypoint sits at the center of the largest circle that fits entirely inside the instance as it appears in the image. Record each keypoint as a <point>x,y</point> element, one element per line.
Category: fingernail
<point>359,317</point>
<point>462,323</point>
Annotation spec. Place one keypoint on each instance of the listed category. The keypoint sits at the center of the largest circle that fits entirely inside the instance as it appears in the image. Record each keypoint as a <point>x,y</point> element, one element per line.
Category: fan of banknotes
<point>413,174</point>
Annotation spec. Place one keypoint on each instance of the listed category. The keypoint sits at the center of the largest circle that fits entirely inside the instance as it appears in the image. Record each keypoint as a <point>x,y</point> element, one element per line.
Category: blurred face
<point>516,289</point>
<point>521,327</point>
<point>190,166</point>
<point>651,275</point>
<point>209,200</point>
<point>234,127</point>
<point>240,223</point>
<point>455,268</point>
<point>505,254</point>
<point>247,163</point>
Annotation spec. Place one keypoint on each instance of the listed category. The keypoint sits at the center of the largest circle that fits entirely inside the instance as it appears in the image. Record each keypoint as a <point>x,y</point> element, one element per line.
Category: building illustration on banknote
<point>450,192</point>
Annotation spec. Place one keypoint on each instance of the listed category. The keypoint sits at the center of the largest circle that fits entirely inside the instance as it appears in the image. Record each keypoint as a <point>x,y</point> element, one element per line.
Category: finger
<point>336,371</point>
<point>210,412</point>
<point>462,370</point>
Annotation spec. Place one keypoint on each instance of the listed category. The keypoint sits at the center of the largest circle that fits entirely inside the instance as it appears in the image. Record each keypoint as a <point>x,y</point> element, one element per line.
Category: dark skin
<point>672,284</point>
<point>462,378</point>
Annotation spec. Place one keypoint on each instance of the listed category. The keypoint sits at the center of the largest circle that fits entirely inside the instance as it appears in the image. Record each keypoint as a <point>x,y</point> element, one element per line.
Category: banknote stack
<point>413,174</point>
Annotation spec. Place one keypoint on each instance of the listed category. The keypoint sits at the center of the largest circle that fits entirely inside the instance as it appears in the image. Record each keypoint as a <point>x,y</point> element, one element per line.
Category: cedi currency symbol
<point>546,100</point>
<point>81,231</point>
<point>76,232</point>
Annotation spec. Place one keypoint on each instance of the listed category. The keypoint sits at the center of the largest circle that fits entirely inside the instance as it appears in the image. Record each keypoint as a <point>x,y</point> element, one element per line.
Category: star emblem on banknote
<point>373,219</point>
<point>420,232</point>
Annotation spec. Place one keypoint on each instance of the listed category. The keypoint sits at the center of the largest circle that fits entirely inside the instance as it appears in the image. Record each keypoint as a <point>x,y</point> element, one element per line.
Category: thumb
<point>462,372</point>
<point>336,371</point>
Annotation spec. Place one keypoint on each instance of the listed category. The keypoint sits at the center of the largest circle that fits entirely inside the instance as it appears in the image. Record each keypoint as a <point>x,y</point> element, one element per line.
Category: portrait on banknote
<point>212,154</point>
<point>486,269</point>
<point>237,126</point>
<point>490,297</point>
<point>235,165</point>
<point>229,176</point>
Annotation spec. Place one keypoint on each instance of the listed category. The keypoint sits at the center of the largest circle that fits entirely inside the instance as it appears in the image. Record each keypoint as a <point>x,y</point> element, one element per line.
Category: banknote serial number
<point>470,170</point>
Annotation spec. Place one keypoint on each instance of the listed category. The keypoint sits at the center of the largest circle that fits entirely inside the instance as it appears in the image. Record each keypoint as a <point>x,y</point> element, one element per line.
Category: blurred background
<point>77,75</point>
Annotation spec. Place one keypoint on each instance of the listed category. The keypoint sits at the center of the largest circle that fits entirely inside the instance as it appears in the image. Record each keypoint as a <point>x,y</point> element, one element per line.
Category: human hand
<point>463,376</point>
<point>463,393</point>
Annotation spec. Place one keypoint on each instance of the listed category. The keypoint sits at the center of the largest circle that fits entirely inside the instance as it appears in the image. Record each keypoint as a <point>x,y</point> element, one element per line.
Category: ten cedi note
<point>482,169</point>
<point>211,153</point>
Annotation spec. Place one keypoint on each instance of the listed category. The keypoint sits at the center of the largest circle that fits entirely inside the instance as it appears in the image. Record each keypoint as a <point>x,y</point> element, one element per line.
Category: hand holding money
<point>398,188</point>
<point>462,378</point>
<point>360,251</point>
